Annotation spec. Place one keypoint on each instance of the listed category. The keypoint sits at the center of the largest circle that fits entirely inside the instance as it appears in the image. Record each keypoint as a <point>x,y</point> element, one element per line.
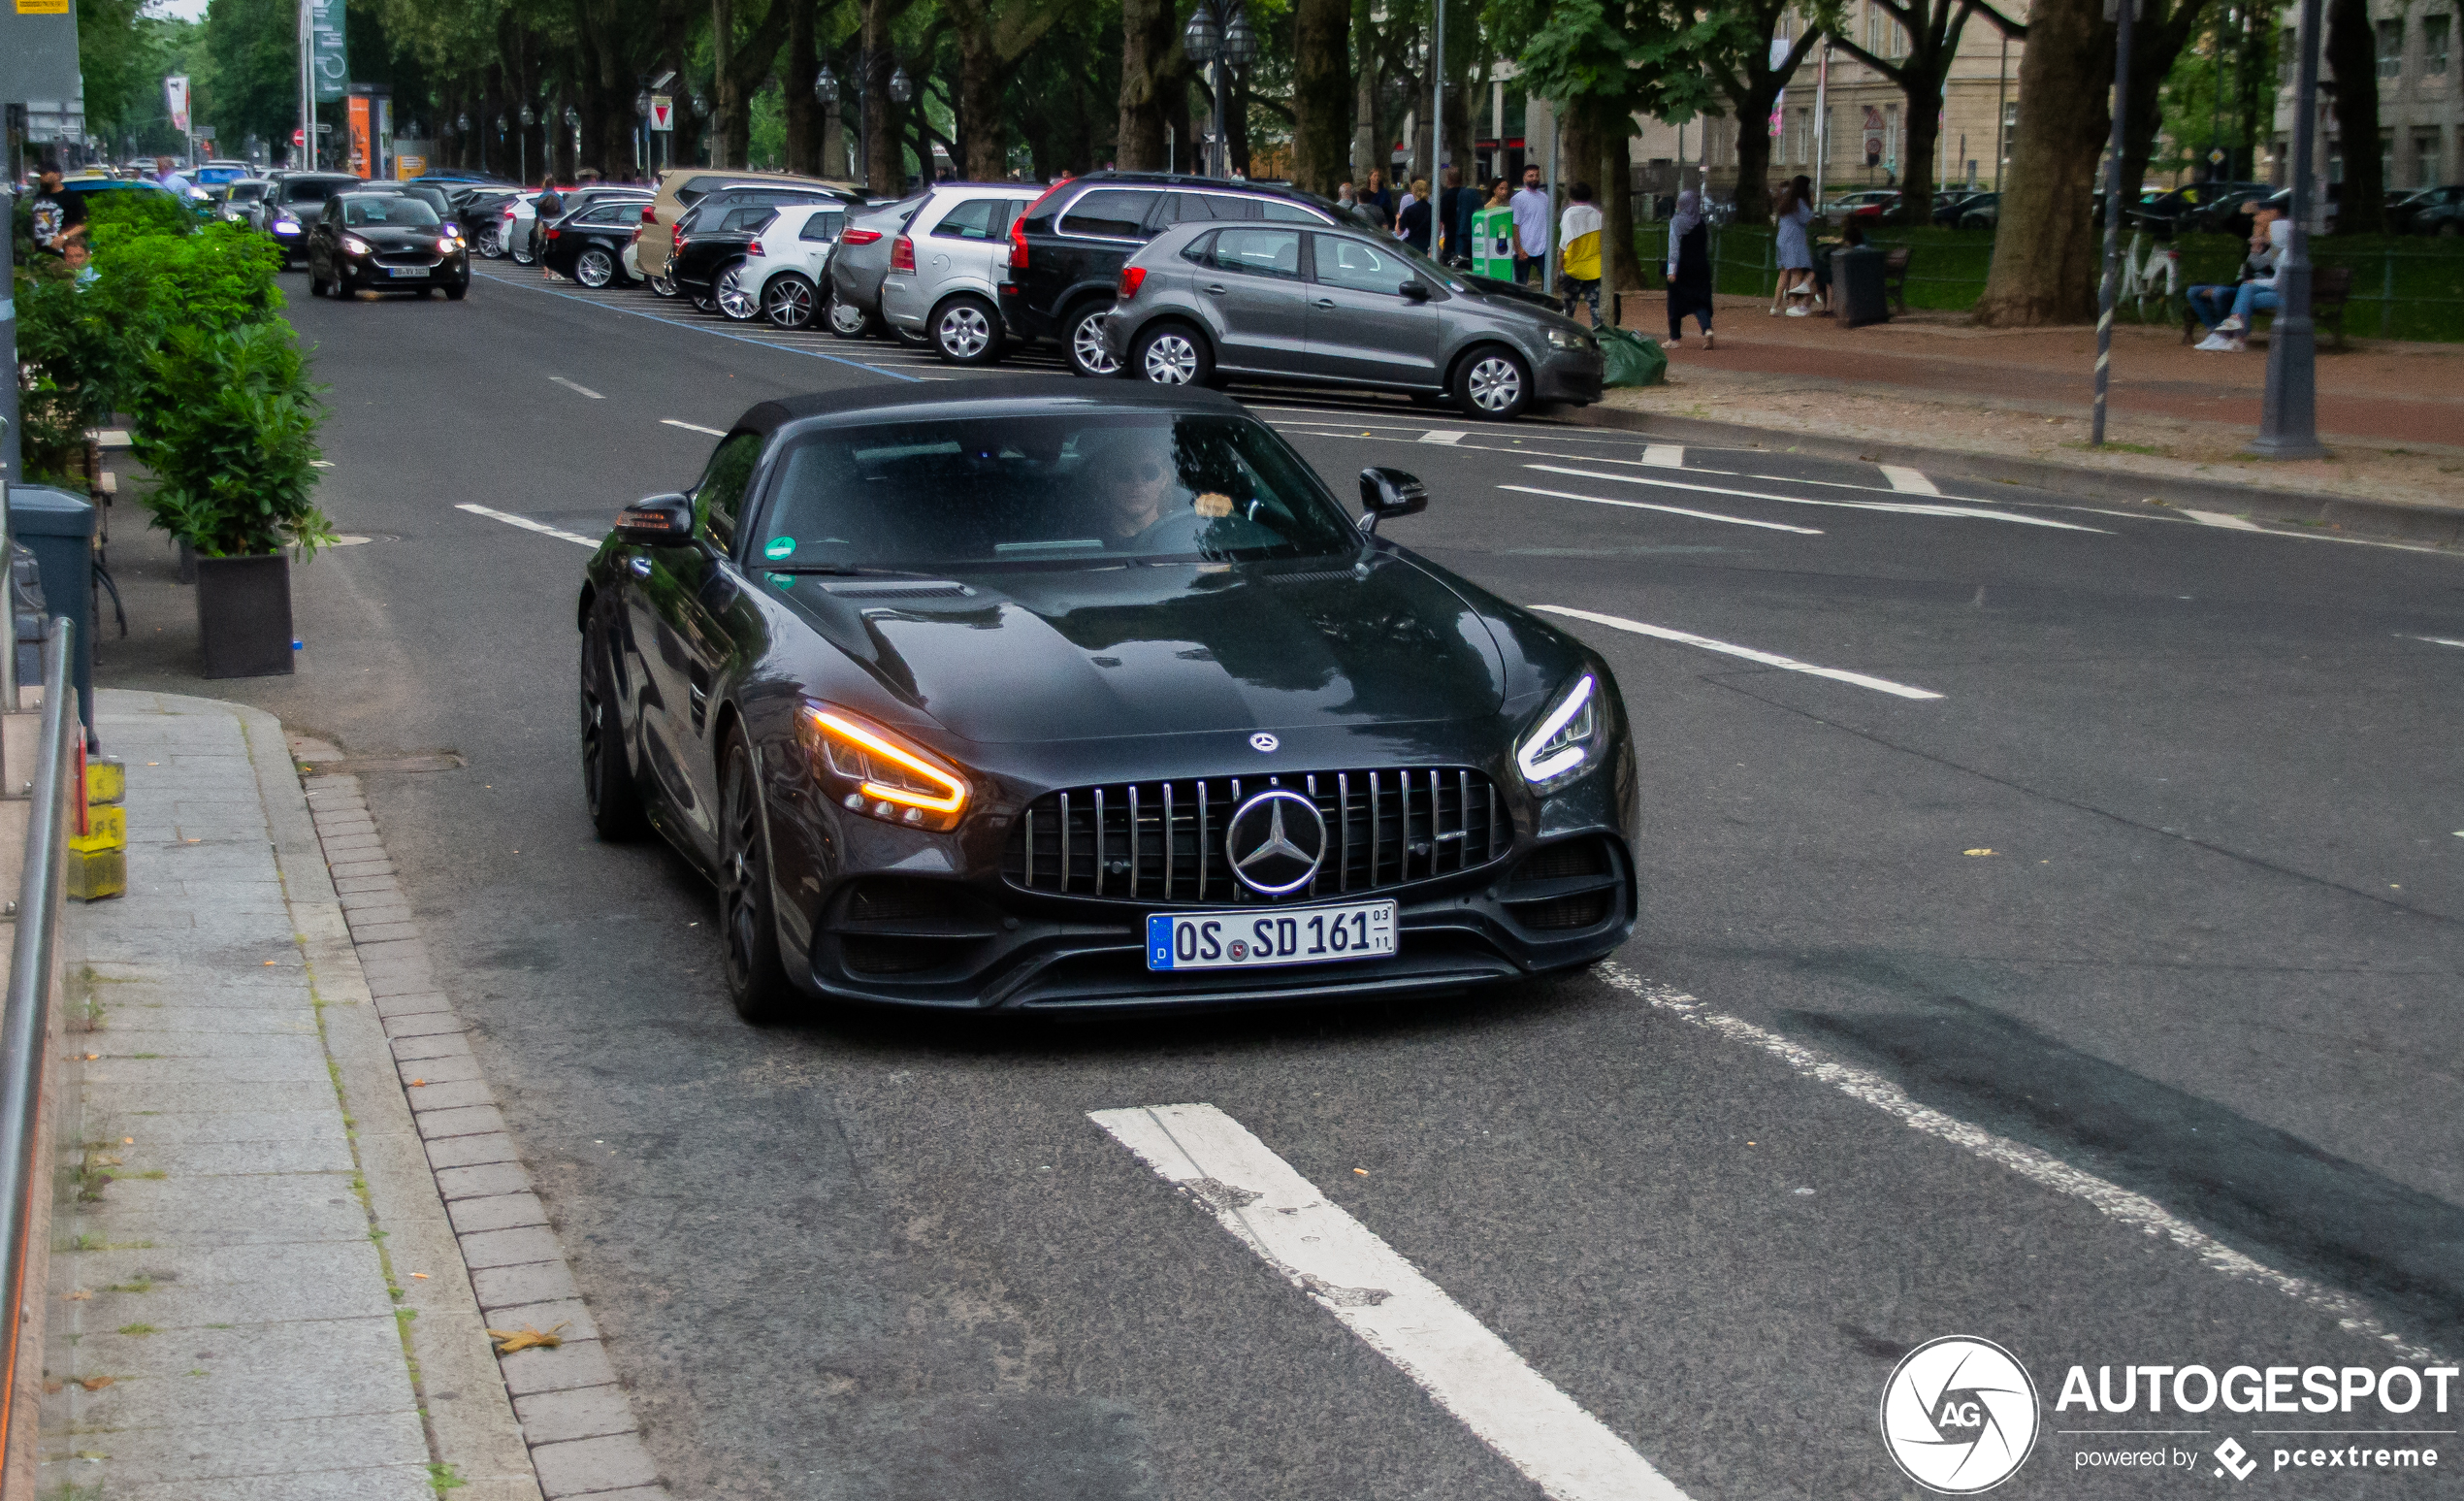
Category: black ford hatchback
<point>1067,250</point>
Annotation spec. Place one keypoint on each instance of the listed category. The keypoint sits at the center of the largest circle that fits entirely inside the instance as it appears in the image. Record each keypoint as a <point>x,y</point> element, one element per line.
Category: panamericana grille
<point>1164,841</point>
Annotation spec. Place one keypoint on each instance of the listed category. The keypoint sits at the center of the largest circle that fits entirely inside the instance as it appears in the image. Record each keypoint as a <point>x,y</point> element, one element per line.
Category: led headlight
<point>445,244</point>
<point>1566,741</point>
<point>286,226</point>
<point>885,777</point>
<point>352,245</point>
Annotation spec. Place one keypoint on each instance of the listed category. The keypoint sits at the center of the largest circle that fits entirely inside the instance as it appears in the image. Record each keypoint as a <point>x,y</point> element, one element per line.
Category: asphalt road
<point>2105,1005</point>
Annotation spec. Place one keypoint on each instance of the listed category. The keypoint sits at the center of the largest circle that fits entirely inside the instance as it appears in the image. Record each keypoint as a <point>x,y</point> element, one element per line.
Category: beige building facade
<point>2420,105</point>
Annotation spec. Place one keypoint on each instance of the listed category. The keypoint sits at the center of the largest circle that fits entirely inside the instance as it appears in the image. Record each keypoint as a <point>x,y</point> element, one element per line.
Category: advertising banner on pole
<point>363,154</point>
<point>328,49</point>
<point>175,101</point>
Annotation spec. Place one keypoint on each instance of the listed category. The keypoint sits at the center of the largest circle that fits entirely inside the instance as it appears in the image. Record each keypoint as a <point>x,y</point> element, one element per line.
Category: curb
<point>566,1403</point>
<point>2433,525</point>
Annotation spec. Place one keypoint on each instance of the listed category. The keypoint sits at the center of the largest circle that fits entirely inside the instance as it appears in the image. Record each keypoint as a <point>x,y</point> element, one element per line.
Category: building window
<point>2391,49</point>
<point>2010,130</point>
<point>1884,37</point>
<point>2434,31</point>
<point>2287,54</point>
<point>2425,158</point>
<point>2386,158</point>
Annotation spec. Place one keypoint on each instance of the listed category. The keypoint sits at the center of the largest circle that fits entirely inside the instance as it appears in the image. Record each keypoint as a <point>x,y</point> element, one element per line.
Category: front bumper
<point>1568,375</point>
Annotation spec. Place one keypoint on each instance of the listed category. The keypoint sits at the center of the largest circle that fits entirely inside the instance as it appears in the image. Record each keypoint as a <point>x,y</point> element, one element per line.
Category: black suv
<point>1067,250</point>
<point>710,240</point>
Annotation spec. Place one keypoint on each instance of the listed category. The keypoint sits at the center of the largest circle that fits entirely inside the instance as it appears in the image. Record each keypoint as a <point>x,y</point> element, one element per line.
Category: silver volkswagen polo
<point>1337,306</point>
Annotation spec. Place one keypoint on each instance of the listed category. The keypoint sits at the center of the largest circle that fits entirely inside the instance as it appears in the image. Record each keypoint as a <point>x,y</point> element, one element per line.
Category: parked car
<point>384,242</point>
<point>946,268</point>
<point>244,202</point>
<point>2227,213</point>
<point>783,266</point>
<point>480,212</point>
<point>2169,212</point>
<point>1949,203</point>
<point>1338,306</point>
<point>859,263</point>
<point>296,203</point>
<point>1849,205</point>
<point>589,244</point>
<point>1067,248</point>
<point>705,252</point>
<point>681,188</point>
<point>1982,210</point>
<point>2433,211</point>
<point>1437,789</point>
<point>573,200</point>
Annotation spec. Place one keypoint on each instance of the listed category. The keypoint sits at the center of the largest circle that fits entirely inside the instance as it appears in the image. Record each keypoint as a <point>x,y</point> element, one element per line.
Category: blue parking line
<point>712,332</point>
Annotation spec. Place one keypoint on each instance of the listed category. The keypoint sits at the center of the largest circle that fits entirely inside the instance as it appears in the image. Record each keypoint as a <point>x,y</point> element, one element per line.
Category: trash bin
<point>1856,281</point>
<point>58,529</point>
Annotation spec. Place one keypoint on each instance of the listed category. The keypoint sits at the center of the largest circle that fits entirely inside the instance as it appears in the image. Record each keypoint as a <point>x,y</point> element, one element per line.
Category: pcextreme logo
<point>1959,1415</point>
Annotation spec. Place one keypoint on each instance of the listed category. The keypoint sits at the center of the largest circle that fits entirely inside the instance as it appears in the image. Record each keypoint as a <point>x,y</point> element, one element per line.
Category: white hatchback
<point>781,273</point>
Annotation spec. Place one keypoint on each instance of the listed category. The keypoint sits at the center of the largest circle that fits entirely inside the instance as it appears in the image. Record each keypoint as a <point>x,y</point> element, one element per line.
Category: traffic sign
<point>663,112</point>
<point>299,137</point>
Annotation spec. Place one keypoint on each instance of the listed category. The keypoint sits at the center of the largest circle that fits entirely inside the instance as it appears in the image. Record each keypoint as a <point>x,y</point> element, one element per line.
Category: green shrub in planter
<point>227,422</point>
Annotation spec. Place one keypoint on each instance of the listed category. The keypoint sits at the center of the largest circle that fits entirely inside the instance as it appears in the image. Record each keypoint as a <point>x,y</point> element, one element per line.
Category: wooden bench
<point>1895,276</point>
<point>2330,288</point>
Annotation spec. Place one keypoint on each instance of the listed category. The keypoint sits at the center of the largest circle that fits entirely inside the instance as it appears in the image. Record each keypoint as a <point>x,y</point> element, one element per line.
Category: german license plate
<point>406,271</point>
<point>1258,940</point>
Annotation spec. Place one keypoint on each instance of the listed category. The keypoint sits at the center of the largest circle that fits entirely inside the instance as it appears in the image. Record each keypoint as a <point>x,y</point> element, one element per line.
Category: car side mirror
<point>1389,492</point>
<point>656,521</point>
<point>1415,291</point>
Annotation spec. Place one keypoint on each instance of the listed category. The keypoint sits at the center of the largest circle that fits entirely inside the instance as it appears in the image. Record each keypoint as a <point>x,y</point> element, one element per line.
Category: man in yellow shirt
<point>1579,249</point>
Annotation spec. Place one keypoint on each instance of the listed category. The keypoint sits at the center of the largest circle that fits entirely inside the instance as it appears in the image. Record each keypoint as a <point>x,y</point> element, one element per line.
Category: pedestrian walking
<point>2271,238</point>
<point>166,175</point>
<point>1454,219</point>
<point>1689,268</point>
<point>1531,225</point>
<point>1377,193</point>
<point>58,215</point>
<point>1790,215</point>
<point>1578,250</point>
<point>1415,221</point>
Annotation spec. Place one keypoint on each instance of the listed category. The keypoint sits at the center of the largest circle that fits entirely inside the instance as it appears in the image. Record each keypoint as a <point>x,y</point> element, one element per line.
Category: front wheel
<point>846,320</point>
<point>789,301</point>
<point>608,793</point>
<point>757,977</point>
<point>967,331</point>
<point>1493,384</point>
<point>1083,337</point>
<point>595,268</point>
<point>737,303</point>
<point>522,255</point>
<point>490,244</point>
<point>1173,355</point>
<point>458,291</point>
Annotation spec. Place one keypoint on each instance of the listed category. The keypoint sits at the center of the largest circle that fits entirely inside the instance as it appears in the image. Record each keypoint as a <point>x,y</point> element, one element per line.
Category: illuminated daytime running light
<point>354,245</point>
<point>1560,744</point>
<point>892,783</point>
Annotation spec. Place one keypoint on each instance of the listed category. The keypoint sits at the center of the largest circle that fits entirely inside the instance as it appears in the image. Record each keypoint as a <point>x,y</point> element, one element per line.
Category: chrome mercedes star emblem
<point>1277,840</point>
<point>1263,743</point>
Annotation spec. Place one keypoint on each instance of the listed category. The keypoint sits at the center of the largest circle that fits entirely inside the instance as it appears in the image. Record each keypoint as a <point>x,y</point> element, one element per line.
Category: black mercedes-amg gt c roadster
<point>1022,699</point>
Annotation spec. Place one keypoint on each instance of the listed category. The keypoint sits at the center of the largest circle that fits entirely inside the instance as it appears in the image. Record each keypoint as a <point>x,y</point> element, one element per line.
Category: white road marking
<point>528,525</point>
<point>1767,659</point>
<point>1908,481</point>
<point>581,389</point>
<point>1348,1271</point>
<point>2135,1210</point>
<point>1907,507</point>
<point>1664,455</point>
<point>695,427</point>
<point>2218,518</point>
<point>1674,510</point>
<point>1443,436</point>
<point>2438,640</point>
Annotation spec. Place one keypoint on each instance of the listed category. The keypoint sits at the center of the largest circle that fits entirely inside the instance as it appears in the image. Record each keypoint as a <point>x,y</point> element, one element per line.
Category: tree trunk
<point>1368,151</point>
<point>1919,133</point>
<point>1321,93</point>
<point>885,159</point>
<point>2045,251</point>
<point>1236,128</point>
<point>724,106</point>
<point>803,110</point>
<point>1148,68</point>
<point>2353,56</point>
<point>1620,267</point>
<point>1753,186</point>
<point>2155,42</point>
<point>984,136</point>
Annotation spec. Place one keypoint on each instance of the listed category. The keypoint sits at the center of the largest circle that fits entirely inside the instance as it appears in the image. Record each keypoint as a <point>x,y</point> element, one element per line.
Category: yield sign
<point>663,113</point>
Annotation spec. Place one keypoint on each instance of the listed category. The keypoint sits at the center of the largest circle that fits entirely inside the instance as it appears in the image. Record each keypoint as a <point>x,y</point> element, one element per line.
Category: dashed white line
<point>1369,1287</point>
<point>579,389</point>
<point>1908,481</point>
<point>1730,648</point>
<point>528,525</point>
<point>1674,510</point>
<point>2135,1210</point>
<point>2218,518</point>
<point>2439,641</point>
<point>1907,509</point>
<point>695,427</point>
<point>1664,455</point>
<point>1448,436</point>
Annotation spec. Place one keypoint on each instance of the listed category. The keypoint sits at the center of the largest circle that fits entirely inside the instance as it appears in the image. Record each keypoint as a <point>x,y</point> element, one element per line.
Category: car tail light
<point>859,237</point>
<point>902,254</point>
<point>554,233</point>
<point>508,211</point>
<point>649,213</point>
<point>1018,229</point>
<point>755,249</point>
<point>1132,278</point>
<point>676,239</point>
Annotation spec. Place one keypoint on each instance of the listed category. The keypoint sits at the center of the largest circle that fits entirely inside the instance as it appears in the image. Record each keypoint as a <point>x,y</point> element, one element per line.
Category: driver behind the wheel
<point>1141,504</point>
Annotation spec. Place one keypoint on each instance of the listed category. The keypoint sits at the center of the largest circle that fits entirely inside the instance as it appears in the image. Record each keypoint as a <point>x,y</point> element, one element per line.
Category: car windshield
<point>313,190</point>
<point>388,213</point>
<point>931,496</point>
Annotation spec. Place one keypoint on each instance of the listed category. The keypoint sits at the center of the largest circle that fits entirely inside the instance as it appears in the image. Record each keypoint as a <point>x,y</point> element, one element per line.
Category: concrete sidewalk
<point>259,1293</point>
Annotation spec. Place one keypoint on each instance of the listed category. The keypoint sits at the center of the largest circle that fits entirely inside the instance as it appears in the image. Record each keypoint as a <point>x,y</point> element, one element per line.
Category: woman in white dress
<point>1790,214</point>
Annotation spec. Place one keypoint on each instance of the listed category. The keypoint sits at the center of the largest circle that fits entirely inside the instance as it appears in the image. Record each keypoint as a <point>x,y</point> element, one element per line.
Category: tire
<point>966,330</point>
<point>521,252</point>
<point>911,339</point>
<point>1172,355</point>
<point>660,285</point>
<point>595,268</point>
<point>2449,230</point>
<point>736,303</point>
<point>609,791</point>
<point>844,319</point>
<point>702,302</point>
<point>1493,384</point>
<point>790,301</point>
<point>489,246</point>
<point>316,283</point>
<point>457,292</point>
<point>1082,343</point>
<point>748,927</point>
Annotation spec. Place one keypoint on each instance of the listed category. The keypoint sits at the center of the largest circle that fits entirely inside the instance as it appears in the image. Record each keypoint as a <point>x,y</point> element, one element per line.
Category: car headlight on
<point>352,245</point>
<point>286,226</point>
<point>1568,338</point>
<point>885,777</point>
<point>445,244</point>
<point>1566,741</point>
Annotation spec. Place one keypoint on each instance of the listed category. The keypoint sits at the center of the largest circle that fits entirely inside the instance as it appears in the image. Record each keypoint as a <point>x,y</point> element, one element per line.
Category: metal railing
<point>26,1022</point>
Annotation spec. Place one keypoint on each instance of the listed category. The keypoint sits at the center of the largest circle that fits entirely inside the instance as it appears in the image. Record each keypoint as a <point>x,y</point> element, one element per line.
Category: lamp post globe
<point>701,107</point>
<point>641,105</point>
<point>1240,42</point>
<point>572,116</point>
<point>461,124</point>
<point>528,119</point>
<point>825,85</point>
<point>902,88</point>
<point>1203,38</point>
<point>500,124</point>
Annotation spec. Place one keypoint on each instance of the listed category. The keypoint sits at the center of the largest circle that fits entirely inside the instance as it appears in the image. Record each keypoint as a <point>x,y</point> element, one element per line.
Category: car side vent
<point>890,925</point>
<point>900,590</point>
<point>1564,886</point>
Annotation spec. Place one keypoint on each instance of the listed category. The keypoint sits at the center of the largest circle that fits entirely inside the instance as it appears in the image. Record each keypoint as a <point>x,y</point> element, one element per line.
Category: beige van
<point>679,189</point>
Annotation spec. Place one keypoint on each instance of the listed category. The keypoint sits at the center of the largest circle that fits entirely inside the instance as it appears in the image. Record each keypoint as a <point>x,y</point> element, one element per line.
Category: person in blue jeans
<point>2229,331</point>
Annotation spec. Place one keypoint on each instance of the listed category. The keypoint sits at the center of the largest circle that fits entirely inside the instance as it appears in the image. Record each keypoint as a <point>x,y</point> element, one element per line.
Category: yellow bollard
<point>98,847</point>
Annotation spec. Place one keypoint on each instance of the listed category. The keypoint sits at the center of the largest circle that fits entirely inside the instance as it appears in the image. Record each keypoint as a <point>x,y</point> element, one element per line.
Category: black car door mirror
<point>1415,291</point>
<point>1390,492</point>
<point>656,521</point>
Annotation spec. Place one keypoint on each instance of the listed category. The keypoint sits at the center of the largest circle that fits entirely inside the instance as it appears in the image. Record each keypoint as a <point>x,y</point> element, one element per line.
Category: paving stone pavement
<point>286,1194</point>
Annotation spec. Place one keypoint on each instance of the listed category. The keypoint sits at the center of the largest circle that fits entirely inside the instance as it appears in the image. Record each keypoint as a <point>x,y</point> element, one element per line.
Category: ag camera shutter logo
<point>1959,1415</point>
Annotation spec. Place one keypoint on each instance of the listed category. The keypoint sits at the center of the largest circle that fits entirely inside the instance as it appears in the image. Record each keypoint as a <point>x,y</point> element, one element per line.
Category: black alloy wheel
<point>609,792</point>
<point>1082,341</point>
<point>757,977</point>
<point>966,330</point>
<point>595,268</point>
<point>788,302</point>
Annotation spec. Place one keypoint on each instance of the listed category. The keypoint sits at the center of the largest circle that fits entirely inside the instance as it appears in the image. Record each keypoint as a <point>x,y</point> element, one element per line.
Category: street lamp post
<point>641,132</point>
<point>2288,414</point>
<point>901,89</point>
<point>573,122</point>
<point>2124,12</point>
<point>528,119</point>
<point>1220,36</point>
<point>701,112</point>
<point>826,94</point>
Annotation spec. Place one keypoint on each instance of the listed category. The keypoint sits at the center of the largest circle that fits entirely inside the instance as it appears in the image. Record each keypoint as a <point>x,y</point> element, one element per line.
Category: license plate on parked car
<point>1251,940</point>
<point>406,271</point>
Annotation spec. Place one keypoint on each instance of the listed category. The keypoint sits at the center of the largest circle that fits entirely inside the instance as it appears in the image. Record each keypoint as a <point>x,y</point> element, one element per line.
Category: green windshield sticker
<point>779,547</point>
<point>781,581</point>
